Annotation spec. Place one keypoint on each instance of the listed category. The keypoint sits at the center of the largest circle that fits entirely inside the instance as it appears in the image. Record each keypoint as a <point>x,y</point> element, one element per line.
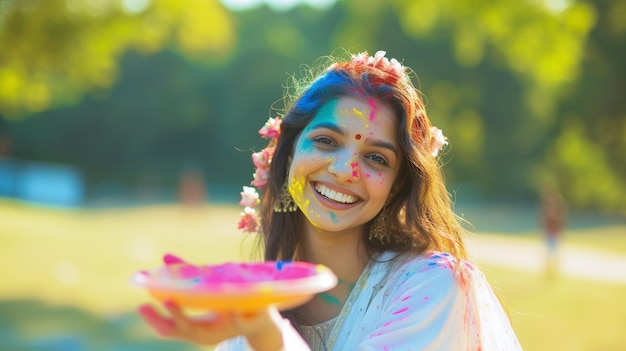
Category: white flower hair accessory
<point>262,160</point>
<point>437,141</point>
<point>380,61</point>
<point>392,67</point>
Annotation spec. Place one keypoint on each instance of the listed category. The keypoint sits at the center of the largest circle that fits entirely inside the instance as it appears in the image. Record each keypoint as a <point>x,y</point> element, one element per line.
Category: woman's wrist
<point>270,336</point>
<point>267,339</point>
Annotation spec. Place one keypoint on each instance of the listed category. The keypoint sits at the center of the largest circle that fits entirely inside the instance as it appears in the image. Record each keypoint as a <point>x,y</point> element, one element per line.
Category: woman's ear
<point>394,191</point>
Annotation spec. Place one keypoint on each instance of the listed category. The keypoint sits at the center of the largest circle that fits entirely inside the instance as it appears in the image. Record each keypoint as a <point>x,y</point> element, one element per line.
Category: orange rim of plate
<point>243,296</point>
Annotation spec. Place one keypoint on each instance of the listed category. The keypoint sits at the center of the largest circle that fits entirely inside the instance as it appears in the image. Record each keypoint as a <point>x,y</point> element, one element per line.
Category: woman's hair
<point>419,215</point>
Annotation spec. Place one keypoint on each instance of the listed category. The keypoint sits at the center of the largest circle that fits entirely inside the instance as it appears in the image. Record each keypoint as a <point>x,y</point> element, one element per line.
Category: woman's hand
<point>262,328</point>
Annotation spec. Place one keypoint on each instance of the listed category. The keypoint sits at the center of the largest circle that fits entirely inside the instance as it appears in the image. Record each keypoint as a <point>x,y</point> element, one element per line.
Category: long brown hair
<point>420,214</point>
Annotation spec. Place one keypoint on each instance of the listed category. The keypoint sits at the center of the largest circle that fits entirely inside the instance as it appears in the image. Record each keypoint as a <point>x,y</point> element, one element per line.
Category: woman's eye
<point>324,140</point>
<point>378,159</point>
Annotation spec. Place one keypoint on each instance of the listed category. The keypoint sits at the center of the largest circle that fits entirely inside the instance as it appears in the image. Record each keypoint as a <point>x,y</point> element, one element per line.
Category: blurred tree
<point>509,83</point>
<point>523,90</point>
<point>54,51</point>
<point>586,151</point>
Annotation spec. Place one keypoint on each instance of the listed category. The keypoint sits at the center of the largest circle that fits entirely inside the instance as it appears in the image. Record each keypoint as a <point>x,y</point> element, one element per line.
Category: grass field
<point>65,279</point>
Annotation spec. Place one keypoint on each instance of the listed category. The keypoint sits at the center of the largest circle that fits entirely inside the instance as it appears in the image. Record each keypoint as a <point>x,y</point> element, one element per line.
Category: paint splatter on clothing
<point>429,302</point>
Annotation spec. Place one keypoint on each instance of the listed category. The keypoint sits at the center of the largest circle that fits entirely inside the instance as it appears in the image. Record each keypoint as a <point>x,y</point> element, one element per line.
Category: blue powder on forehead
<point>330,85</point>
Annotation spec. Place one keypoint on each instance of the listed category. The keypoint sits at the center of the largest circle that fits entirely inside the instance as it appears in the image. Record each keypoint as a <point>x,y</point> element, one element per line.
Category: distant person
<point>5,146</point>
<point>191,189</point>
<point>351,179</point>
<point>553,216</point>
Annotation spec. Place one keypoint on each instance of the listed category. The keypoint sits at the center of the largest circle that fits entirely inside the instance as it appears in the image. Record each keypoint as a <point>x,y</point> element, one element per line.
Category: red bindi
<point>357,137</point>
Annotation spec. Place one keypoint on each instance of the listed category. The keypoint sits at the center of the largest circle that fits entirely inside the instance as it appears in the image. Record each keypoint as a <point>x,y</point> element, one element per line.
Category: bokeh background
<point>126,128</point>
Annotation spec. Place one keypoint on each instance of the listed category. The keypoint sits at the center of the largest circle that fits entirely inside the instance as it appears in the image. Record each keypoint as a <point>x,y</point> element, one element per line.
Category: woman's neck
<point>343,252</point>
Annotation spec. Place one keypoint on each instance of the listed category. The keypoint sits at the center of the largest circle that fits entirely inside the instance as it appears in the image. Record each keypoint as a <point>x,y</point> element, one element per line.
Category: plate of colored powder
<point>237,286</point>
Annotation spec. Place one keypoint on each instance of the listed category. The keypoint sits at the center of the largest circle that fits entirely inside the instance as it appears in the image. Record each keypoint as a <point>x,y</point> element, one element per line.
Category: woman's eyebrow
<point>385,145</point>
<point>331,126</point>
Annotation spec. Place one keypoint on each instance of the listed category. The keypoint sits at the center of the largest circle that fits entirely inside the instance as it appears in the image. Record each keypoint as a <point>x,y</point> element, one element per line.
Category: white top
<point>428,302</point>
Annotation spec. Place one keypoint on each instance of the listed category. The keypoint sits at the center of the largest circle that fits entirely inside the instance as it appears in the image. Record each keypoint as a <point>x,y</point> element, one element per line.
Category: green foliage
<point>525,92</point>
<point>53,51</point>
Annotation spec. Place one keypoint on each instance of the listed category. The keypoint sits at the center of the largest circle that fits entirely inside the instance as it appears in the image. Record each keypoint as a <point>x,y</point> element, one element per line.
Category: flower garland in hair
<point>249,221</point>
<point>393,66</point>
<point>437,141</point>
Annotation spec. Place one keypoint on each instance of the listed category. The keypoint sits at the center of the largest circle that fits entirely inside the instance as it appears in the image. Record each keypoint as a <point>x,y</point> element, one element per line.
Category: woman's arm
<point>263,330</point>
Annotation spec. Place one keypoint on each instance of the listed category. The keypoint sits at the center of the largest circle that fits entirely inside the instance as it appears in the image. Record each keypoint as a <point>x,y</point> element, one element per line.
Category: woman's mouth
<point>334,195</point>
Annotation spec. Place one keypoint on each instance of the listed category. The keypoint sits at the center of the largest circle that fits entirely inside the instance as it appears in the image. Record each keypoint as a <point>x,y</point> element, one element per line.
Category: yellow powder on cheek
<point>296,189</point>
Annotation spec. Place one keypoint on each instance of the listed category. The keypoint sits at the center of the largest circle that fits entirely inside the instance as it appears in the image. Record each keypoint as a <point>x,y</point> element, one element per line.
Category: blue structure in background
<point>41,183</point>
<point>7,177</point>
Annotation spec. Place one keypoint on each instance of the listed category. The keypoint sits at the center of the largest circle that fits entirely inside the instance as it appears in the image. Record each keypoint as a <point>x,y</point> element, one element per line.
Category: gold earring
<point>285,202</point>
<point>378,228</point>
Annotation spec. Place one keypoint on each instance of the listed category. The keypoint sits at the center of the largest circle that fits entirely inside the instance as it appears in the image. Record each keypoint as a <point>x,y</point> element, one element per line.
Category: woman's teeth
<point>333,195</point>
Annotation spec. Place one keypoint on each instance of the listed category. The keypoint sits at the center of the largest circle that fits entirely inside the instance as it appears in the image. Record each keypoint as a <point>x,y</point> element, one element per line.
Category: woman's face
<point>345,163</point>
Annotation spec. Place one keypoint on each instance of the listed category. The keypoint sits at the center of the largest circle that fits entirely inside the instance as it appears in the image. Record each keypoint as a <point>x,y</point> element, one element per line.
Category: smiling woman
<point>351,180</point>
<point>339,179</point>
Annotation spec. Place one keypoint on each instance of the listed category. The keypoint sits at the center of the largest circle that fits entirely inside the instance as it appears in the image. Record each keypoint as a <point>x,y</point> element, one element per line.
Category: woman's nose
<point>346,167</point>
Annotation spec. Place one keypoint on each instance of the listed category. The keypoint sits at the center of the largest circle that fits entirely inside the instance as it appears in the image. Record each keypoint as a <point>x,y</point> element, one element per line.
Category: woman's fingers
<point>260,327</point>
<point>185,327</point>
<point>163,326</point>
<point>207,329</point>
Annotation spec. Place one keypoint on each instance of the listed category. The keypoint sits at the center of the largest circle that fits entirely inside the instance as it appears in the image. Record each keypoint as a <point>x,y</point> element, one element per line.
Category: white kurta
<point>428,302</point>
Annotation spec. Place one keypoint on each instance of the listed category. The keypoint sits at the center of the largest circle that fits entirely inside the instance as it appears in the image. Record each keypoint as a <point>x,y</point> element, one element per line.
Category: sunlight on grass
<point>612,239</point>
<point>76,265</point>
<point>561,314</point>
<point>86,258</point>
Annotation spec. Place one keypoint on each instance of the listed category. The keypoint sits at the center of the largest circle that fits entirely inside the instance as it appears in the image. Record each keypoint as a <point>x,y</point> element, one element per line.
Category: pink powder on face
<point>374,107</point>
<point>355,169</point>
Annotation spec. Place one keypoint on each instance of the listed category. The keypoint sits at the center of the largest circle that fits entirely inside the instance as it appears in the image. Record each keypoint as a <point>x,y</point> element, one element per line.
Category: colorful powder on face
<point>355,169</point>
<point>374,109</point>
<point>357,137</point>
<point>296,188</point>
<point>333,217</point>
<point>357,112</point>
